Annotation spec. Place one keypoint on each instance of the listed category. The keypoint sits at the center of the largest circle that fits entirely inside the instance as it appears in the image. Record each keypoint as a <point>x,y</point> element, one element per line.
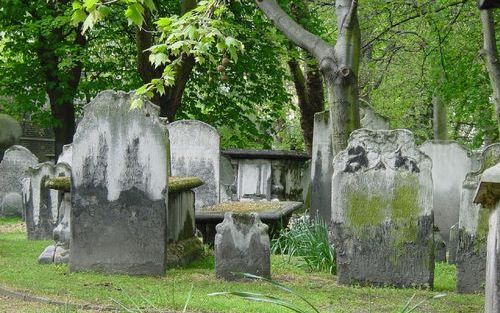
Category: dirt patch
<point>13,228</point>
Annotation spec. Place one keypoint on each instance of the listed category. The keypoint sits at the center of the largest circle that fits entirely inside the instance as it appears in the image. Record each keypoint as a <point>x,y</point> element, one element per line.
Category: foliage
<point>307,240</point>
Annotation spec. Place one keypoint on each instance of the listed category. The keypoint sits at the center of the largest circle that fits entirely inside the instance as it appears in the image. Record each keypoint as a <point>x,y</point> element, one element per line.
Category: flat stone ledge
<point>265,154</point>
<point>175,184</point>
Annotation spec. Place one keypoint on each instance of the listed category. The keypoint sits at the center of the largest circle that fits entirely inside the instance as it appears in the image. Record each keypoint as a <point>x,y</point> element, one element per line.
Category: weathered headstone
<point>66,154</point>
<point>242,246</point>
<point>13,169</point>
<point>195,151</point>
<point>11,205</point>
<point>453,244</point>
<point>382,222</point>
<point>323,154</point>
<point>227,180</point>
<point>473,228</point>
<point>488,195</point>
<point>450,164</point>
<point>41,203</point>
<point>119,187</point>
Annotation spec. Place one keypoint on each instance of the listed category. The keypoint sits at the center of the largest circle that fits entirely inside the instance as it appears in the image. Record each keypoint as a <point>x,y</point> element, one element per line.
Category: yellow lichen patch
<point>59,183</point>
<point>244,207</point>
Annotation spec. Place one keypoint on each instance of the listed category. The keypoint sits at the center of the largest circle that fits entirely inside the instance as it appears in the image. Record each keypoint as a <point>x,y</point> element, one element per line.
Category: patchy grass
<point>19,270</point>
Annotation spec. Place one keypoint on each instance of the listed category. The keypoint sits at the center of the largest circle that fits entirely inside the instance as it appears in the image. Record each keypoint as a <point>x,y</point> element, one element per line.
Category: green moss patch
<point>365,211</point>
<point>179,184</point>
<point>59,183</point>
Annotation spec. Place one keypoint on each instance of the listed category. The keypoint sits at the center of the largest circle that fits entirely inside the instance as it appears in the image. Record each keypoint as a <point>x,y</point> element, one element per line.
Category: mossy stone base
<point>471,262</point>
<point>184,252</point>
<point>380,258</point>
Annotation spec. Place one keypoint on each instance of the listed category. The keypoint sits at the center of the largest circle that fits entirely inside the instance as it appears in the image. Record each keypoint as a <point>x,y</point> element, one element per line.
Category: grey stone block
<point>11,205</point>
<point>118,187</point>
<point>453,244</point>
<point>242,246</point>
<point>439,248</point>
<point>382,221</point>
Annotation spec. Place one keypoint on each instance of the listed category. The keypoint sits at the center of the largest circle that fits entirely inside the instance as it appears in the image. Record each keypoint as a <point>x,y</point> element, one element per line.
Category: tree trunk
<point>61,85</point>
<point>171,100</point>
<point>339,65</point>
<point>491,56</point>
<point>310,96</point>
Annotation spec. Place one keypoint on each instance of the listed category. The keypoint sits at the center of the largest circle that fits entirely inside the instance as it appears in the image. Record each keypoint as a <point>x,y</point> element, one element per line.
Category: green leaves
<point>135,14</point>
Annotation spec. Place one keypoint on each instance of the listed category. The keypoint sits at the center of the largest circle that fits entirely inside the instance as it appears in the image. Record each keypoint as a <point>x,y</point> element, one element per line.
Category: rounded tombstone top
<point>19,154</point>
<point>10,131</point>
<point>66,155</point>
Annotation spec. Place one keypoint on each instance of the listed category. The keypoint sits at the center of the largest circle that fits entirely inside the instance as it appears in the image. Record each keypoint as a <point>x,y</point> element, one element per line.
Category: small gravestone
<point>242,246</point>
<point>254,180</point>
<point>118,188</point>
<point>14,168</point>
<point>11,205</point>
<point>195,151</point>
<point>473,227</point>
<point>450,163</point>
<point>382,222</point>
<point>453,244</point>
<point>41,203</point>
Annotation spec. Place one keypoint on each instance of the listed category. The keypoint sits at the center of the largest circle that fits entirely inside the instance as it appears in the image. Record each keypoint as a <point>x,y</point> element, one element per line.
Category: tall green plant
<point>307,240</point>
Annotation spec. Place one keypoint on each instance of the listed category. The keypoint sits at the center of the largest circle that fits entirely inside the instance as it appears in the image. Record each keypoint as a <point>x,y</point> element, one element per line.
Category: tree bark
<point>440,117</point>
<point>339,65</point>
<point>61,85</point>
<point>491,57</point>
<point>171,100</point>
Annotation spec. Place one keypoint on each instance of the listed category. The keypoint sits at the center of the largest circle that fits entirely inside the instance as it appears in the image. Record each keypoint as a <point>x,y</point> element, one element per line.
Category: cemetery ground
<point>20,271</point>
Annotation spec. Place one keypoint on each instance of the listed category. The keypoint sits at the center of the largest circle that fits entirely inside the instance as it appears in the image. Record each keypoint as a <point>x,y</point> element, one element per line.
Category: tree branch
<point>316,46</point>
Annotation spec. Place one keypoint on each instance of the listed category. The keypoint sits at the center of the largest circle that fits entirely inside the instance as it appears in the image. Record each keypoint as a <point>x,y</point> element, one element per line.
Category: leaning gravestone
<point>242,246</point>
<point>195,151</point>
<point>382,221</point>
<point>450,164</point>
<point>118,188</point>
<point>13,169</point>
<point>473,228</point>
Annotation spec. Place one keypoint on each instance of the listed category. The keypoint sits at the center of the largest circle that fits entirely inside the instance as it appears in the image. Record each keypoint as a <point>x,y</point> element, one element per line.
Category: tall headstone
<point>195,151</point>
<point>119,188</point>
<point>242,246</point>
<point>13,170</point>
<point>41,203</point>
<point>450,164</point>
<point>323,154</point>
<point>321,168</point>
<point>473,228</point>
<point>382,221</point>
<point>488,195</point>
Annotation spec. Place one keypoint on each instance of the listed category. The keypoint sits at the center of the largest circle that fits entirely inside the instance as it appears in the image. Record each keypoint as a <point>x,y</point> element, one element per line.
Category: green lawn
<point>19,270</point>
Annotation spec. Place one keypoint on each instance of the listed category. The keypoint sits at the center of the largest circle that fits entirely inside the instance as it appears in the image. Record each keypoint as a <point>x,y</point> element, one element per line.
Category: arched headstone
<point>195,151</point>
<point>118,188</point>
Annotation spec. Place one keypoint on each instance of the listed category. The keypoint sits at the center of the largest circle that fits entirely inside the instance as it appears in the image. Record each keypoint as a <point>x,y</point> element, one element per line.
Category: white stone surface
<point>450,165</point>
<point>254,179</point>
<point>195,151</point>
<point>66,155</point>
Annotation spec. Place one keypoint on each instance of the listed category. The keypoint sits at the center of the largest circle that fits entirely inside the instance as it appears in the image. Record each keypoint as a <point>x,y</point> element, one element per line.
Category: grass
<point>19,270</point>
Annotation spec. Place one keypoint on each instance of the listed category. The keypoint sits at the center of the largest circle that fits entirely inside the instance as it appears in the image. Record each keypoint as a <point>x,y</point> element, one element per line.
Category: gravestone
<point>382,222</point>
<point>41,203</point>
<point>195,151</point>
<point>439,248</point>
<point>66,154</point>
<point>453,244</point>
<point>323,154</point>
<point>14,168</point>
<point>450,164</point>
<point>321,168</point>
<point>227,180</point>
<point>242,246</point>
<point>473,228</point>
<point>119,188</point>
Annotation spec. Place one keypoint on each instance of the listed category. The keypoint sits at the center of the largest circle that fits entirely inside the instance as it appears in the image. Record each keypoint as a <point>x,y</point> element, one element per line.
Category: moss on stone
<point>483,226</point>
<point>365,211</point>
<point>179,184</point>
<point>59,183</point>
<point>183,252</point>
<point>490,160</point>
<point>244,207</point>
